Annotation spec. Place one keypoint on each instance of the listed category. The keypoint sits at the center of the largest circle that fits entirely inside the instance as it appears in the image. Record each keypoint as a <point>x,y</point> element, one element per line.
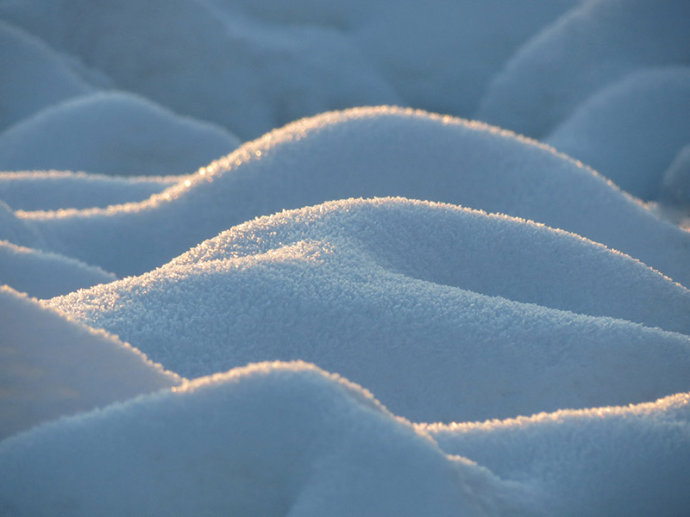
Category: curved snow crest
<point>290,439</point>
<point>592,45</point>
<point>611,452</point>
<point>445,313</point>
<point>51,366</point>
<point>112,133</point>
<point>35,76</point>
<point>367,152</point>
<point>55,190</point>
<point>631,130</point>
<point>44,274</point>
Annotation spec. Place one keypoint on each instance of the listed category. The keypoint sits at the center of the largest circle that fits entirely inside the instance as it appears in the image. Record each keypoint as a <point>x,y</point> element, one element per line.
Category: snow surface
<point>361,287</point>
<point>591,46</point>
<point>112,133</point>
<point>519,307</point>
<point>632,130</point>
<point>367,152</point>
<point>51,367</point>
<point>52,190</point>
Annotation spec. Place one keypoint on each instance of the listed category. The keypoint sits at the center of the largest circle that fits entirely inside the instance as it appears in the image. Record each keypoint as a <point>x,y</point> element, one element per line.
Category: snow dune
<point>290,439</point>
<point>251,195</point>
<point>591,46</point>
<point>53,190</point>
<point>50,367</point>
<point>112,133</point>
<point>631,131</point>
<point>368,152</point>
<point>361,287</point>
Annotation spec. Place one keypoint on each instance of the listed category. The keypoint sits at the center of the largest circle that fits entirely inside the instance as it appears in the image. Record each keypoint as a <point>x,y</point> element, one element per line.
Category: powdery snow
<point>520,307</point>
<point>53,190</point>
<point>631,131</point>
<point>362,287</point>
<point>289,439</point>
<point>368,152</point>
<point>590,47</point>
<point>112,133</point>
<point>50,367</point>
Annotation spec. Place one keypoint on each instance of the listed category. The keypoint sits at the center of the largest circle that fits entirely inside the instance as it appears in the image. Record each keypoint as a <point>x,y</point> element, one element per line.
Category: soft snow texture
<point>530,297</point>
<point>289,439</point>
<point>368,152</point>
<point>112,133</point>
<point>45,275</point>
<point>418,302</point>
<point>631,131</point>
<point>52,190</point>
<point>590,47</point>
<point>253,66</point>
<point>51,367</point>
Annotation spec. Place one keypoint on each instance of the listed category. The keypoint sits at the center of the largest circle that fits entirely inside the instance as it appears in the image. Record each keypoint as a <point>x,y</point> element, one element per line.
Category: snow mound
<point>631,131</point>
<point>255,66</point>
<point>290,439</point>
<point>445,313</point>
<point>676,181</point>
<point>598,43</point>
<point>50,367</point>
<point>34,76</point>
<point>632,460</point>
<point>112,133</point>
<point>368,152</point>
<point>53,190</point>
<point>45,275</point>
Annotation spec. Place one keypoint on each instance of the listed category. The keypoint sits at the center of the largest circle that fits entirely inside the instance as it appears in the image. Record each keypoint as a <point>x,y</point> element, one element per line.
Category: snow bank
<point>34,76</point>
<point>369,152</point>
<point>632,460</point>
<point>631,130</point>
<point>432,307</point>
<point>590,47</point>
<point>53,190</point>
<point>112,133</point>
<point>289,439</point>
<point>45,275</point>
<point>50,367</point>
<point>255,66</point>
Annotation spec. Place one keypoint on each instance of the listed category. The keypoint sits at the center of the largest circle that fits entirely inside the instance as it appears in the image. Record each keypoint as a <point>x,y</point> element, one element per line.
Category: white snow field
<point>363,258</point>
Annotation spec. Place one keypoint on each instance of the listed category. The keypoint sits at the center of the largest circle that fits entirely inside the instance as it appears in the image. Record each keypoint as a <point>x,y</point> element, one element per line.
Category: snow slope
<point>289,439</point>
<point>444,313</point>
<point>53,190</point>
<point>43,274</point>
<point>50,367</point>
<point>368,152</point>
<point>590,47</point>
<point>112,133</point>
<point>632,130</point>
<point>520,307</point>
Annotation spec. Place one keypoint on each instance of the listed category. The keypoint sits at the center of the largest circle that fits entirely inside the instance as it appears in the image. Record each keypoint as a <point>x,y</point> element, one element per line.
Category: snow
<point>53,190</point>
<point>122,134</point>
<point>52,366</point>
<point>277,438</point>
<point>631,131</point>
<point>590,47</point>
<point>43,274</point>
<point>360,287</point>
<point>367,152</point>
<point>257,258</point>
<point>40,76</point>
